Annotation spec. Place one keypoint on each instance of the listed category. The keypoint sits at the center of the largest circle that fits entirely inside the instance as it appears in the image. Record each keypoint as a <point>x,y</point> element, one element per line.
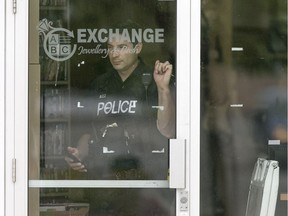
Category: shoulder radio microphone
<point>146,79</point>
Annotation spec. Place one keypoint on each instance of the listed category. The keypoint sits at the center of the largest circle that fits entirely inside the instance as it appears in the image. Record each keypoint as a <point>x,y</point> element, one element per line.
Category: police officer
<point>133,117</point>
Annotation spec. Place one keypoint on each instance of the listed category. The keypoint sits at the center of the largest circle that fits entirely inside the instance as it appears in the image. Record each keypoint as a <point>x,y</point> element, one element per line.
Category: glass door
<point>103,87</point>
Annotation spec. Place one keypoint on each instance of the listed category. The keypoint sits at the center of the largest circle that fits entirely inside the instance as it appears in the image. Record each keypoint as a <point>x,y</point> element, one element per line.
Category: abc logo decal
<point>57,44</point>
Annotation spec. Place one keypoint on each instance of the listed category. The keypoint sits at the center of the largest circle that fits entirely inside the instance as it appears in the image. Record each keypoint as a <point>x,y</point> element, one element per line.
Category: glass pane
<point>117,201</point>
<point>102,106</point>
<point>244,107</point>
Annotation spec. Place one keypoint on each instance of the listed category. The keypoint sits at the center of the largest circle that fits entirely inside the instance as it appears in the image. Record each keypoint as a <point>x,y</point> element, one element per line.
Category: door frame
<point>15,109</point>
<point>2,106</point>
<point>16,102</point>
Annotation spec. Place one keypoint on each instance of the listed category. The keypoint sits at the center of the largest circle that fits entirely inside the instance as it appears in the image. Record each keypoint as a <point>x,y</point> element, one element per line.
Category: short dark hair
<point>129,25</point>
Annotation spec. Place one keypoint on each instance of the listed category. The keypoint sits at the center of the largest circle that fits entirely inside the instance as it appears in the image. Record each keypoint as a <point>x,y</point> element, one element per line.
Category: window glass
<point>103,106</point>
<point>244,105</point>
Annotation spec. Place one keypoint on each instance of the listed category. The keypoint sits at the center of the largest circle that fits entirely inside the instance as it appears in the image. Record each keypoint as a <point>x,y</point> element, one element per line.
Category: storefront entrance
<point>144,108</point>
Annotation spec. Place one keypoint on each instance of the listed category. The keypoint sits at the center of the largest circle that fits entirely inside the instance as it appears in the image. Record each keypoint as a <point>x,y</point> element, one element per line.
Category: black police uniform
<point>126,143</point>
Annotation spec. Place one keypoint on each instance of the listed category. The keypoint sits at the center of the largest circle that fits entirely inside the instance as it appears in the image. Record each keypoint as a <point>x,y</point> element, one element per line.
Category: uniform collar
<point>136,73</point>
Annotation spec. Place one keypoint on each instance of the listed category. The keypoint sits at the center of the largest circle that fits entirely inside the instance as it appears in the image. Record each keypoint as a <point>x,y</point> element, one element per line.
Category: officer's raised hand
<point>162,74</point>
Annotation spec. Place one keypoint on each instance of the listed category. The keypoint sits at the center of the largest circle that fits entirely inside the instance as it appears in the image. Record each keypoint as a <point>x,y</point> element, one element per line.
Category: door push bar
<point>177,163</point>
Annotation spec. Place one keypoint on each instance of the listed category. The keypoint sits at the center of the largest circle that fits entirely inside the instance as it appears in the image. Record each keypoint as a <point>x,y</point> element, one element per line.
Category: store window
<point>243,106</point>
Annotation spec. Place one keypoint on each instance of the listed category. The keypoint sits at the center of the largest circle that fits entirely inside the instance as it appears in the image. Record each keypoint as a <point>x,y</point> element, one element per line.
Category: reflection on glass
<point>244,100</point>
<point>107,104</point>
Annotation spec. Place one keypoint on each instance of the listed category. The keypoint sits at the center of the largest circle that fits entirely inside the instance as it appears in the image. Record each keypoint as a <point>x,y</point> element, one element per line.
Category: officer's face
<point>123,55</point>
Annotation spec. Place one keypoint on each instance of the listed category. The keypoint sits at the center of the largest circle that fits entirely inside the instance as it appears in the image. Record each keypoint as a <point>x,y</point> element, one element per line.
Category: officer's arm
<point>166,104</point>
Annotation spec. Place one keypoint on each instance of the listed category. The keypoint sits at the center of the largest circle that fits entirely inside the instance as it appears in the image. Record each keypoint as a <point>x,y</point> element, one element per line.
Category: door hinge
<point>14,170</point>
<point>14,6</point>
